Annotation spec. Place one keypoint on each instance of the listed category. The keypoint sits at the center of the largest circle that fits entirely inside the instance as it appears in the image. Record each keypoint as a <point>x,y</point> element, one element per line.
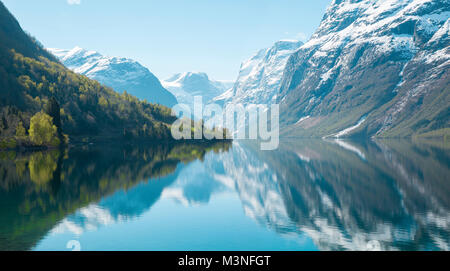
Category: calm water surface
<point>307,195</point>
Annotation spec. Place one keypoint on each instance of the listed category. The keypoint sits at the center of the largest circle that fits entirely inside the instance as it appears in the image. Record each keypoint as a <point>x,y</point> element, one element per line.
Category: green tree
<point>103,102</point>
<point>20,130</point>
<point>43,131</point>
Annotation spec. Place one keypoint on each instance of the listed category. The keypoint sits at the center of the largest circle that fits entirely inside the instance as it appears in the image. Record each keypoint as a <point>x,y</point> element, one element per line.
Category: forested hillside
<point>30,77</point>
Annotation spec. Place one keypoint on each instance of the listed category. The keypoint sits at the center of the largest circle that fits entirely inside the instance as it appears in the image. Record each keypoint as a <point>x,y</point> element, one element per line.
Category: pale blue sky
<point>171,36</point>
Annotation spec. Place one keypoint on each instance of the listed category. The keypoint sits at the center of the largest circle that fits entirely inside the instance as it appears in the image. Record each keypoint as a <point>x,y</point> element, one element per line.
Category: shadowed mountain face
<point>121,74</point>
<point>38,190</point>
<point>384,63</point>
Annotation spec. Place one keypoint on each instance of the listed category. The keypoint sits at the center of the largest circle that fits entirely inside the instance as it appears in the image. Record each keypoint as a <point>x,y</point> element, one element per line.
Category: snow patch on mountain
<point>259,77</point>
<point>348,130</point>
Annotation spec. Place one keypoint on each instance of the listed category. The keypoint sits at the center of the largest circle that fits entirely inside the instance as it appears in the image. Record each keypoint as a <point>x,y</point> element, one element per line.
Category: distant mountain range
<point>121,74</point>
<point>189,84</point>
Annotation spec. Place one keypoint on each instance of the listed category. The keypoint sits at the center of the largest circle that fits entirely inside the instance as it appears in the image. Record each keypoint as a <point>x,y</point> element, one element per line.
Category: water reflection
<point>40,189</point>
<point>341,195</point>
<point>345,195</point>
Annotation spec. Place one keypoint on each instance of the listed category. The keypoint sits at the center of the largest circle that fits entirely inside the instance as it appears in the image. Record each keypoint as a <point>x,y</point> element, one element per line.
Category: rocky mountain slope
<point>121,74</point>
<point>259,77</point>
<point>373,68</point>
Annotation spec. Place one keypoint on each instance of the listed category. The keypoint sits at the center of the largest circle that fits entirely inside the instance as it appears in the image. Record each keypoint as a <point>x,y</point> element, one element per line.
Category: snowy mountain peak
<point>73,55</point>
<point>93,64</point>
<point>188,77</point>
<point>119,73</point>
<point>186,85</point>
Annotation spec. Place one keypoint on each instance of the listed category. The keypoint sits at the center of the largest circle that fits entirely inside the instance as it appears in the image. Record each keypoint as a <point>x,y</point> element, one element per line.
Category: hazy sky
<point>171,36</point>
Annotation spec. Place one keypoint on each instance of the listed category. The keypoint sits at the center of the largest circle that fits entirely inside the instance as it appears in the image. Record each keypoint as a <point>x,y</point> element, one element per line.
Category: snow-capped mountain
<point>372,68</point>
<point>121,74</point>
<point>259,77</point>
<point>189,84</point>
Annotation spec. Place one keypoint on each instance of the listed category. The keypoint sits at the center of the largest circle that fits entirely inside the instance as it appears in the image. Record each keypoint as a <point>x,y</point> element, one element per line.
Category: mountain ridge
<point>186,85</point>
<point>121,74</point>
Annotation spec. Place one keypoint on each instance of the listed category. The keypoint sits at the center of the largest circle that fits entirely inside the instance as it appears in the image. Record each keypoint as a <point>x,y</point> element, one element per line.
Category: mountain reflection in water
<point>323,194</point>
<point>40,189</point>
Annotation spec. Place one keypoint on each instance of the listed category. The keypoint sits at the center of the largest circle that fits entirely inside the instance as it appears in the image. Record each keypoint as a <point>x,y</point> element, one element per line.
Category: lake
<point>306,195</point>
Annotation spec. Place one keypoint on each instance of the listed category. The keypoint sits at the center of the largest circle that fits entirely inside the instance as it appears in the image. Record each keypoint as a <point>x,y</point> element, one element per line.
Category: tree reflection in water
<point>37,190</point>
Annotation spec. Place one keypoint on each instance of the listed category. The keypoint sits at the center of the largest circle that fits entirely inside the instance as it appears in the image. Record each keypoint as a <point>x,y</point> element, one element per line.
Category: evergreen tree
<point>53,110</point>
<point>4,123</point>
